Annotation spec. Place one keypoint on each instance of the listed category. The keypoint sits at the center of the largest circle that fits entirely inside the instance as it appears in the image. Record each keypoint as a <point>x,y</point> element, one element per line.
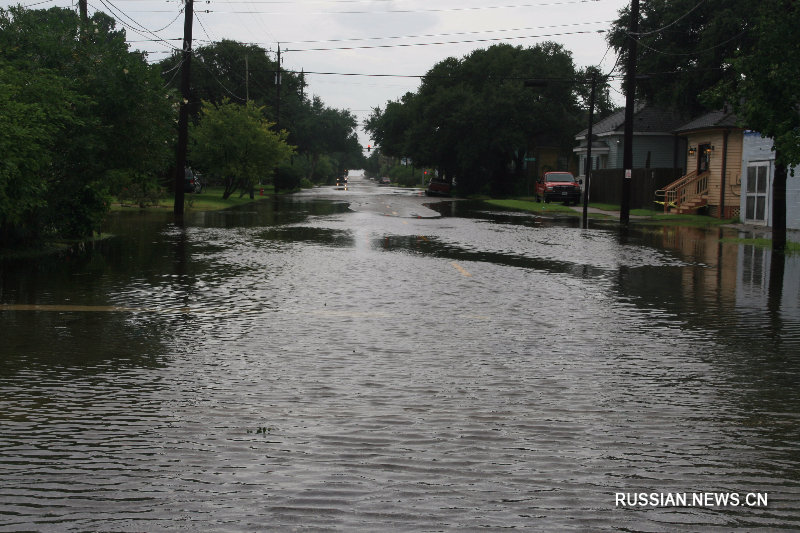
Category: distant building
<point>655,144</point>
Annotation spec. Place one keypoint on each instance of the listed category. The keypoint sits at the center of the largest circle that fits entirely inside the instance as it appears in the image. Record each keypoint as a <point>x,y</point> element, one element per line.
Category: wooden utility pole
<point>278,85</point>
<point>589,152</point>
<point>183,117</point>
<point>630,102</point>
<point>84,12</point>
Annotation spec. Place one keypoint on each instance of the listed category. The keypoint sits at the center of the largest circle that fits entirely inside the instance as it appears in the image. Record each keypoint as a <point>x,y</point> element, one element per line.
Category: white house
<point>758,171</point>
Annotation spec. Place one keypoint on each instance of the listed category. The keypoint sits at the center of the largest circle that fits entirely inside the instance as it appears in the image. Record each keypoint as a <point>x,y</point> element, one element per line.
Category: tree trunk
<point>779,205</point>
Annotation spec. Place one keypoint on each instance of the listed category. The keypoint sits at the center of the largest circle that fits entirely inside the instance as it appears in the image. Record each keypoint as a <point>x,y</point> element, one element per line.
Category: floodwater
<point>372,360</point>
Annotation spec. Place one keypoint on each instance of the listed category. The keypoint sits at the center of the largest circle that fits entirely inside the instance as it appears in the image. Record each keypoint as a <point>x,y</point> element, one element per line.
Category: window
<point>757,192</point>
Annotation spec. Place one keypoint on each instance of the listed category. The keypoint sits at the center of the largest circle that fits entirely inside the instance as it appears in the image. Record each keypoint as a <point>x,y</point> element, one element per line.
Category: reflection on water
<point>296,364</point>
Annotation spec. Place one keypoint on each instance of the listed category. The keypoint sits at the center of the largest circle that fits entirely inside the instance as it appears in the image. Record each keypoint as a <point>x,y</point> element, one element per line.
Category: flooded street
<point>373,360</point>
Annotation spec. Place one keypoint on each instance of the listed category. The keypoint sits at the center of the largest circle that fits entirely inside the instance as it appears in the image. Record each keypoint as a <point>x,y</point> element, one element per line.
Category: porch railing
<point>685,191</point>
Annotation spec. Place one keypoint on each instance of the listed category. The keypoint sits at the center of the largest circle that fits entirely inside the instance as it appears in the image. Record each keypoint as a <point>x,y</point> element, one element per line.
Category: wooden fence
<point>606,187</point>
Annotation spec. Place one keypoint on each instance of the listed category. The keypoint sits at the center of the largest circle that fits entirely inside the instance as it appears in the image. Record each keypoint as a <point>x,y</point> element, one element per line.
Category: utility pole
<point>82,9</point>
<point>630,102</point>
<point>183,117</point>
<point>589,165</point>
<point>278,86</point>
<point>246,80</point>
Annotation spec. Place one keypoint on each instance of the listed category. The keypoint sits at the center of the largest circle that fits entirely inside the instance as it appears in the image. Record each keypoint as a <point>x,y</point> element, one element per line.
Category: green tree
<point>473,119</point>
<point>327,131</point>
<point>32,117</point>
<point>114,125</point>
<point>235,142</point>
<point>765,90</point>
<point>683,47</point>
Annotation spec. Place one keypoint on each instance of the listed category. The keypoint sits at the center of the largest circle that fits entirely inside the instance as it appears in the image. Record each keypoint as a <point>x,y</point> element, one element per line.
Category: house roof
<point>721,118</point>
<point>646,119</point>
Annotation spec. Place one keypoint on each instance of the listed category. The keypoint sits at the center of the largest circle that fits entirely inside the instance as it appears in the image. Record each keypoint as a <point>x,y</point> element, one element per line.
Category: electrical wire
<point>694,53</point>
<point>447,34</point>
<point>467,41</point>
<point>394,11</point>
<point>113,11</point>
<point>644,34</point>
<point>199,60</point>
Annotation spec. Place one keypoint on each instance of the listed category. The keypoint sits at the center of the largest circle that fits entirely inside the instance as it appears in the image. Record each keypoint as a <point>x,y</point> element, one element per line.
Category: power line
<point>395,11</point>
<point>693,53</point>
<point>698,4</point>
<point>447,34</point>
<point>116,12</point>
<point>394,37</point>
<point>466,41</point>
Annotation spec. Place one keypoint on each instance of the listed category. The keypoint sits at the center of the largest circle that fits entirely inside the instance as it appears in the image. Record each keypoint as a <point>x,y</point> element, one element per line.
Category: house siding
<point>733,168</point>
<point>758,149</point>
<point>660,147</point>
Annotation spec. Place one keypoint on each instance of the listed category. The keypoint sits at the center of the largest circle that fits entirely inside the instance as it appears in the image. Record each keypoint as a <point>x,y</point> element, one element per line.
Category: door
<point>756,209</point>
<point>703,158</point>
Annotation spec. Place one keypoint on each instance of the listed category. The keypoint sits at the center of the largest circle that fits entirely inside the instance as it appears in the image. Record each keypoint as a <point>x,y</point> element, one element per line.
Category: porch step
<point>692,206</point>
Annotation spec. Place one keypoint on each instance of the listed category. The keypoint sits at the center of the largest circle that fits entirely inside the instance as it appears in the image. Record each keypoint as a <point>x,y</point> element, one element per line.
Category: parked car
<point>192,181</point>
<point>385,181</point>
<point>558,186</point>
<point>438,188</point>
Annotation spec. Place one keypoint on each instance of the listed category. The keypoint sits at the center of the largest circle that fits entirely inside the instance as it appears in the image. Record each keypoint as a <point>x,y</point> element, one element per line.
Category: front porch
<point>686,195</point>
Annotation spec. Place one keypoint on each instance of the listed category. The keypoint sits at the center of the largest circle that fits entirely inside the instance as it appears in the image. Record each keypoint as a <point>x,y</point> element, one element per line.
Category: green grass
<point>687,220</point>
<point>634,212</point>
<point>654,217</point>
<point>208,200</point>
<point>604,207</point>
<point>536,207</point>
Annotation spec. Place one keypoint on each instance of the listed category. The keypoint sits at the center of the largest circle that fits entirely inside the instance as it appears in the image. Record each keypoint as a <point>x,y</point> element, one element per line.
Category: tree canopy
<point>684,47</point>
<point>81,115</point>
<point>324,137</point>
<point>473,119</point>
<point>237,144</point>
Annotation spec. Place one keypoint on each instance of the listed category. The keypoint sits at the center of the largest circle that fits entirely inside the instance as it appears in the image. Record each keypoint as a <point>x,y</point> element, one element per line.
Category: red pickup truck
<point>558,186</point>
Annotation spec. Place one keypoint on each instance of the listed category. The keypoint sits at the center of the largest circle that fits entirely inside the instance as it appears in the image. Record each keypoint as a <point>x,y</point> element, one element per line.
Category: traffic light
<point>369,148</point>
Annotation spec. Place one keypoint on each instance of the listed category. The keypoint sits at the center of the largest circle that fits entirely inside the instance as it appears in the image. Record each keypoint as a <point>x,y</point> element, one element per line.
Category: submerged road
<point>371,359</point>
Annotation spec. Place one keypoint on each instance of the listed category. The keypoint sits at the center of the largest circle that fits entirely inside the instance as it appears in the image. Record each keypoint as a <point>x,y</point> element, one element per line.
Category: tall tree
<point>472,118</point>
<point>236,143</point>
<point>765,90</point>
<point>683,47</point>
<point>119,118</point>
<point>323,130</point>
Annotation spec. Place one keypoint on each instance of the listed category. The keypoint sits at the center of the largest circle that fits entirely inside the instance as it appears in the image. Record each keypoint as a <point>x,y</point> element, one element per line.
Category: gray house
<point>654,144</point>
<point>758,171</point>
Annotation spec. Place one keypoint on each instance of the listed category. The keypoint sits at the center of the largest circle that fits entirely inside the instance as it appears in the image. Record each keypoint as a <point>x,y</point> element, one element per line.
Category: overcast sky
<point>388,43</point>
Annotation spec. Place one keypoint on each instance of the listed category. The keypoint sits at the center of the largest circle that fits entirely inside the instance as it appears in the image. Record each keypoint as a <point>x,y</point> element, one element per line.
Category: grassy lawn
<point>525,204</point>
<point>656,217</point>
<point>208,200</point>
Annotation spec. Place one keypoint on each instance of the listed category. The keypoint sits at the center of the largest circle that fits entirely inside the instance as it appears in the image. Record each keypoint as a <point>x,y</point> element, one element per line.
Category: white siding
<point>757,148</point>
